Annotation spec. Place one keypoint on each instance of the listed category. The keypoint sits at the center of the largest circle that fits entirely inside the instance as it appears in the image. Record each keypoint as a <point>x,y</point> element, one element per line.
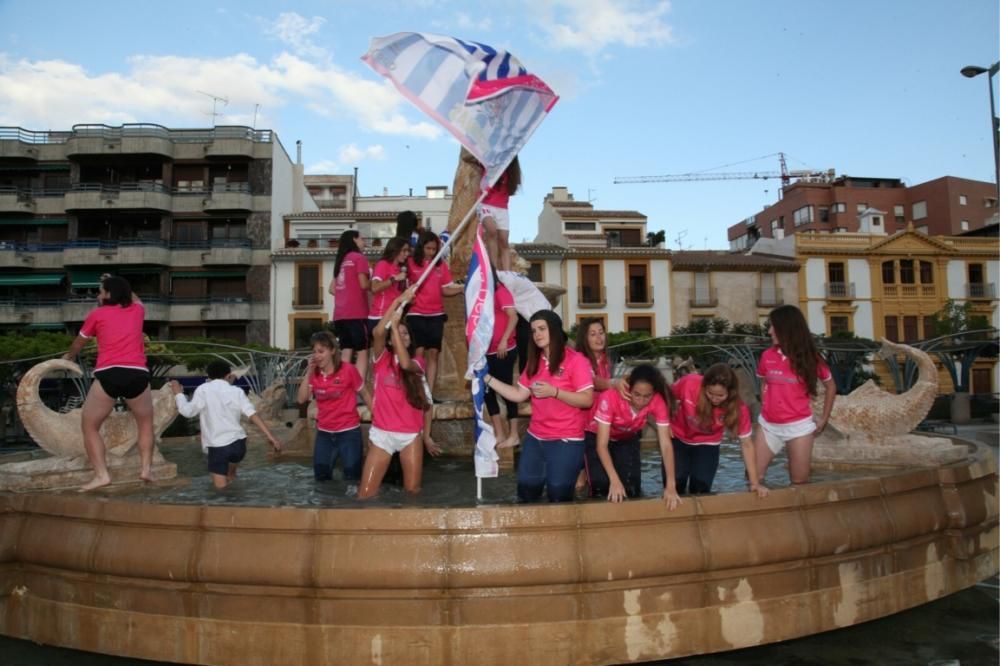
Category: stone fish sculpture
<point>874,426</point>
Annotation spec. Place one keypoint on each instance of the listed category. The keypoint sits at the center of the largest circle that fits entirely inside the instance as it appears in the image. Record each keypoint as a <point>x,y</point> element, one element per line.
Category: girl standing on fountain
<point>618,424</point>
<point>789,371</point>
<point>559,382</point>
<point>120,371</point>
<point>500,359</point>
<point>707,406</point>
<point>388,279</point>
<point>350,299</point>
<point>401,398</point>
<point>335,384</point>
<point>426,317</point>
<point>493,210</point>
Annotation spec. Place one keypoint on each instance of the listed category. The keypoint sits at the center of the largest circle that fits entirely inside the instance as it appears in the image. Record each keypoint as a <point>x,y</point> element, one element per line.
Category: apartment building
<point>944,206</point>
<point>189,216</point>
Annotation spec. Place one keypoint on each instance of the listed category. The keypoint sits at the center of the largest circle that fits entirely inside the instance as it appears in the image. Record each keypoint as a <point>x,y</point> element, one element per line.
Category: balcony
<point>141,195</point>
<point>639,298</point>
<point>233,141</point>
<point>591,297</point>
<point>32,311</point>
<point>703,298</point>
<point>130,139</point>
<point>980,291</point>
<point>218,252</point>
<point>15,199</point>
<point>229,196</point>
<point>769,298</point>
<point>908,290</point>
<point>90,252</point>
<point>226,308</point>
<point>836,290</point>
<point>11,256</point>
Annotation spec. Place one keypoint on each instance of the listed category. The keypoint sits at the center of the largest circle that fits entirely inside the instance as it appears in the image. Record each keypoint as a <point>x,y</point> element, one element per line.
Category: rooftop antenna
<point>215,101</point>
<point>680,237</point>
<point>590,197</point>
<point>256,108</point>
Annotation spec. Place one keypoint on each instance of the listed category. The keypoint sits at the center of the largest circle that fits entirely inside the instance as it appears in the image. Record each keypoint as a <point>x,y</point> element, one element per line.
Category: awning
<point>26,279</point>
<point>84,279</point>
<point>207,274</point>
<point>33,221</point>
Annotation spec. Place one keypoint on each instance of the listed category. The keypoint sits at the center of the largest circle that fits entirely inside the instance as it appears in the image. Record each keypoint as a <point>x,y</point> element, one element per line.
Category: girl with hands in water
<point>401,401</point>
<point>559,383</point>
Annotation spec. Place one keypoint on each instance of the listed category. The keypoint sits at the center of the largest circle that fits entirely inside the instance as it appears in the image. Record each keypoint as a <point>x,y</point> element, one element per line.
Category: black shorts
<point>352,333</point>
<point>220,457</point>
<point>426,332</point>
<point>125,383</point>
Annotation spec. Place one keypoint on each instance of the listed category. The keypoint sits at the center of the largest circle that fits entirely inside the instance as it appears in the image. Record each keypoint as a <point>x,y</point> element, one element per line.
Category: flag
<point>482,95</point>
<point>479,320</point>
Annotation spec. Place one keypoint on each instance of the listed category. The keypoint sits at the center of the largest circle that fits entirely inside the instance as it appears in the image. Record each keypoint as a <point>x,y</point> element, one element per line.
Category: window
<point>803,215</point>
<point>824,214</point>
<point>962,200</point>
<point>910,333</point>
<point>900,214</point>
<point>860,208</point>
<point>302,330</point>
<point>638,283</point>
<point>976,274</point>
<point>839,207</point>
<point>930,327</point>
<point>840,324</point>
<point>926,272</point>
<point>536,271</point>
<point>307,285</point>
<point>906,274</point>
<point>919,210</point>
<point>188,231</point>
<point>982,381</point>
<point>835,272</point>
<point>590,284</point>
<point>639,324</point>
<point>964,224</point>
<point>580,226</point>
<point>774,227</point>
<point>702,296</point>
<point>891,329</point>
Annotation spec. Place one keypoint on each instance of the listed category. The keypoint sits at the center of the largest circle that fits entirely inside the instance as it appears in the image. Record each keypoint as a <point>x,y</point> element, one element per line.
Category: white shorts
<point>501,216</point>
<point>391,442</point>
<point>778,434</point>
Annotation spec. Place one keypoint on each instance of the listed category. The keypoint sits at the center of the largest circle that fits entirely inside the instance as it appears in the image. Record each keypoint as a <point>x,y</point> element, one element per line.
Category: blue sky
<point>869,88</point>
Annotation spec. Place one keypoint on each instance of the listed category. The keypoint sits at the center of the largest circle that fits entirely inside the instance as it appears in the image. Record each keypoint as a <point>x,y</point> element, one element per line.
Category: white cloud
<point>351,153</point>
<point>296,31</point>
<point>594,25</point>
<point>54,94</point>
<point>465,22</point>
<point>323,168</point>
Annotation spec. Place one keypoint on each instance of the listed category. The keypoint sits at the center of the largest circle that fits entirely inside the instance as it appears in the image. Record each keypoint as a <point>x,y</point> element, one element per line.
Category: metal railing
<point>136,130</point>
<point>639,297</point>
<point>588,296</point>
<point>704,298</point>
<point>768,298</point>
<point>116,188</point>
<point>981,290</point>
<point>840,290</point>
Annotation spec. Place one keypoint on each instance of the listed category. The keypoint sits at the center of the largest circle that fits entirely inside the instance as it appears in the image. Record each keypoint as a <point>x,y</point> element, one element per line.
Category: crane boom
<point>785,175</point>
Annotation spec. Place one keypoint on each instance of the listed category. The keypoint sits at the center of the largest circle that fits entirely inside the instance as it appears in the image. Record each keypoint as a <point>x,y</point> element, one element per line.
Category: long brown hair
<point>413,380</point>
<point>722,375</point>
<point>328,340</point>
<point>513,174</point>
<point>796,342</point>
<point>557,343</point>
<point>647,373</point>
<point>581,340</point>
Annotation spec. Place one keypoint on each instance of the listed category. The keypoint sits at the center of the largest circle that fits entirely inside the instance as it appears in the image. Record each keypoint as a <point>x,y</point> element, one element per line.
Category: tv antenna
<point>215,102</point>
<point>590,196</point>
<point>680,237</point>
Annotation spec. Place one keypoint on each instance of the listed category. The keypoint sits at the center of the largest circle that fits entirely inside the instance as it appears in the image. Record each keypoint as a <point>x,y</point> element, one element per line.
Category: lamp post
<point>972,71</point>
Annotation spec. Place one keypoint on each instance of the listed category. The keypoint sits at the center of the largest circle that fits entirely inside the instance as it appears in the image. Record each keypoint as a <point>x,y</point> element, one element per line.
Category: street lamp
<point>972,71</point>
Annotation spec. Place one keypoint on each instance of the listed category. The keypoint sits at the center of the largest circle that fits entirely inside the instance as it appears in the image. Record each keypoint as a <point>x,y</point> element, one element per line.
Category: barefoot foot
<point>96,482</point>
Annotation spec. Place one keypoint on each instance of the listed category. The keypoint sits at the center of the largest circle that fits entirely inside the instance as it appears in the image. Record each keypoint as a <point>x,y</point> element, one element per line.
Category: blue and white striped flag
<point>479,322</point>
<point>482,95</point>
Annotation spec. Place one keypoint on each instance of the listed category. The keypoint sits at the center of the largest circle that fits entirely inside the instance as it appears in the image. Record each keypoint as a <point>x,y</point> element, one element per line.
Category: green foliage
<point>16,347</point>
<point>197,353</point>
<point>957,318</point>
<point>656,238</point>
<point>633,345</point>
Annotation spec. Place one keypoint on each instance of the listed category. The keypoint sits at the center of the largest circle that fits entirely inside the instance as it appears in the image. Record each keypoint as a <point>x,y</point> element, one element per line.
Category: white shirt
<point>218,405</point>
<point>527,298</point>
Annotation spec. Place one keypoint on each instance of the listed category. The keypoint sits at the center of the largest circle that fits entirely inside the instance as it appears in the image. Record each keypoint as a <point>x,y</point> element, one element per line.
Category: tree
<point>956,318</point>
<point>656,238</point>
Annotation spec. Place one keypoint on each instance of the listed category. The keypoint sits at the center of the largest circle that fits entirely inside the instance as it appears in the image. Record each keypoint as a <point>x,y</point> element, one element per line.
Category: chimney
<point>298,151</point>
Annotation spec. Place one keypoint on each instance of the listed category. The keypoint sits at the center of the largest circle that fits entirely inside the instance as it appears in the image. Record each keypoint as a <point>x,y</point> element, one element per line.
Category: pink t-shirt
<point>625,422</point>
<point>350,301</point>
<point>784,397</point>
<point>685,424</point>
<point>390,410</point>
<point>384,271</point>
<point>336,398</point>
<point>497,196</point>
<point>503,307</point>
<point>428,300</point>
<point>119,335</point>
<point>604,372</point>
<point>551,418</point>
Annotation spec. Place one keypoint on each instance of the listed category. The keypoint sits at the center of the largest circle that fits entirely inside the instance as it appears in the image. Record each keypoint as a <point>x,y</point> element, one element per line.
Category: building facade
<point>944,206</point>
<point>189,217</point>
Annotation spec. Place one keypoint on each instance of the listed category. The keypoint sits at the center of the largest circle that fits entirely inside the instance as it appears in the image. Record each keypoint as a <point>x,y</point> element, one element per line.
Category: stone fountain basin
<point>584,583</point>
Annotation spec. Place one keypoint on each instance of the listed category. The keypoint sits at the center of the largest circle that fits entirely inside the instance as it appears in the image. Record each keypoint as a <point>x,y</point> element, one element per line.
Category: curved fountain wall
<point>588,583</point>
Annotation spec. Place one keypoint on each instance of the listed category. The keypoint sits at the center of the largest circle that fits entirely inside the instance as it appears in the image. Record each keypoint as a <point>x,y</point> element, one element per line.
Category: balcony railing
<point>980,290</point>
<point>840,290</point>
<point>703,298</point>
<point>640,298</point>
<point>591,297</point>
<point>769,298</point>
<point>908,290</point>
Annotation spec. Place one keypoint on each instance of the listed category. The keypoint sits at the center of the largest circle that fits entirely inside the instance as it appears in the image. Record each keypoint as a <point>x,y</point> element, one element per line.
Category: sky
<point>865,87</point>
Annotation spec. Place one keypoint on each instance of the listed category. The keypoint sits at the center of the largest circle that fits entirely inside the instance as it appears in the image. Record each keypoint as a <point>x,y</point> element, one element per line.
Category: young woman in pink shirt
<point>426,317</point>
<point>388,279</point>
<point>559,382</point>
<point>706,407</point>
<point>334,384</point>
<point>592,342</point>
<point>120,371</point>
<point>618,424</point>
<point>493,211</point>
<point>789,371</point>
<point>500,359</point>
<point>400,401</point>
<point>350,299</point>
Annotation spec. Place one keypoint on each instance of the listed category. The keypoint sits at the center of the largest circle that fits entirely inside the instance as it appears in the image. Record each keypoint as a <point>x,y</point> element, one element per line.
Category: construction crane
<point>785,175</point>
